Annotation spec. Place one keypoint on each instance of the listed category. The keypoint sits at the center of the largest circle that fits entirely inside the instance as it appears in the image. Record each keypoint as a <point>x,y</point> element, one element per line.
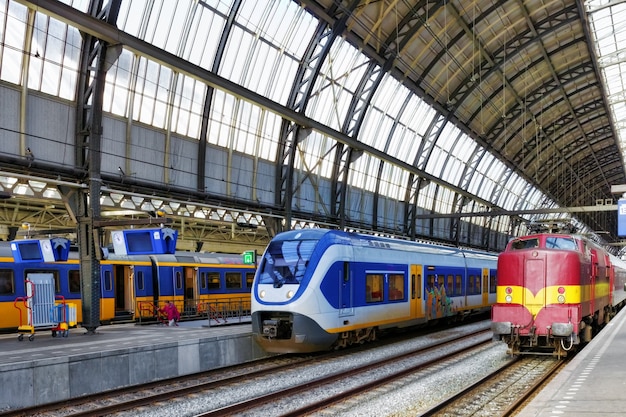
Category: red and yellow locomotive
<point>555,291</point>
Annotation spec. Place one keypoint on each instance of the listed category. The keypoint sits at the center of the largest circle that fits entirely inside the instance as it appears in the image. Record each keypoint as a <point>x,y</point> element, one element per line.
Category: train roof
<point>365,240</point>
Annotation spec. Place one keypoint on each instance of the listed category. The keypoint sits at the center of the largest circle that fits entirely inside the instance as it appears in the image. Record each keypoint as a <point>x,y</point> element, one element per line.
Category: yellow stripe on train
<point>572,294</point>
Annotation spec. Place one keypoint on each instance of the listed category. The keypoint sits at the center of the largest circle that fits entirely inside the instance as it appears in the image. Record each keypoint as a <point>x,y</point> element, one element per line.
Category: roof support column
<point>88,146</point>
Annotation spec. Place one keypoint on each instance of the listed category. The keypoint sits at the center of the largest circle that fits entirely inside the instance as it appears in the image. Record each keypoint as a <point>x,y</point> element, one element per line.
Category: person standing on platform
<point>171,312</point>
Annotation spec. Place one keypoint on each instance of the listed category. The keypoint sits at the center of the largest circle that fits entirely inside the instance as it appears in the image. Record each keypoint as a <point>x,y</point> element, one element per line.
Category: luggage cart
<point>41,309</point>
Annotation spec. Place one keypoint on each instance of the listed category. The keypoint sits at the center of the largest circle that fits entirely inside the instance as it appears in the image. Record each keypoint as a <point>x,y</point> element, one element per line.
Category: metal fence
<point>216,311</point>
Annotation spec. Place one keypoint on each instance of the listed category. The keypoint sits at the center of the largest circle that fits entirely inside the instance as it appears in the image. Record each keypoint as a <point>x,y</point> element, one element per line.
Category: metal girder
<point>91,82</point>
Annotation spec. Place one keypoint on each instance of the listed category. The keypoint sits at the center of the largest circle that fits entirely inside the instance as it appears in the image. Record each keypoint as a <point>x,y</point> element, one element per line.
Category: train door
<point>485,286</point>
<point>124,289</point>
<point>417,308</point>
<point>191,290</point>
<point>178,284</point>
<point>346,291</point>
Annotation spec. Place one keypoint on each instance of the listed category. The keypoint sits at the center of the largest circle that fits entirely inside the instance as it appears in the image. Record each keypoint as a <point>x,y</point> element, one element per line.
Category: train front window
<point>519,244</point>
<point>285,262</point>
<point>566,243</point>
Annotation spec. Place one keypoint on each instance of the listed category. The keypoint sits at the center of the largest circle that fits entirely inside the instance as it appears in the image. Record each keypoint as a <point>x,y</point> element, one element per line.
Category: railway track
<point>271,386</point>
<point>501,393</point>
<point>341,386</point>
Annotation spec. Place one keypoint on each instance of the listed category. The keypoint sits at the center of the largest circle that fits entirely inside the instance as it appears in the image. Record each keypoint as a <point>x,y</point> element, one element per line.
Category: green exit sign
<point>249,257</point>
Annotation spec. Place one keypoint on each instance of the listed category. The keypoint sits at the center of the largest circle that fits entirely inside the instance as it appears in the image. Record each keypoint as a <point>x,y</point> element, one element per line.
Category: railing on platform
<point>216,311</point>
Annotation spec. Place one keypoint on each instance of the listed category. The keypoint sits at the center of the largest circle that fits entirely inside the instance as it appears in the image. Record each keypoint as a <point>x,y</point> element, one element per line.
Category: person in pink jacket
<point>171,312</point>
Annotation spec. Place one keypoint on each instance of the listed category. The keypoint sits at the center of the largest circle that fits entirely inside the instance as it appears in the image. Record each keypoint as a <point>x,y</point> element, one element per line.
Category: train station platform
<point>50,369</point>
<point>593,383</point>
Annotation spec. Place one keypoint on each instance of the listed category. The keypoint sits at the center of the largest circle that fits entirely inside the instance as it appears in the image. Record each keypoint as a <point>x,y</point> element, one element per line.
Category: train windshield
<point>285,262</point>
<point>567,243</point>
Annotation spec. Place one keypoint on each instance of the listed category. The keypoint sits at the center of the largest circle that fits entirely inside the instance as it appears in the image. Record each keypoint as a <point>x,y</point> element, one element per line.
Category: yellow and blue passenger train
<point>133,287</point>
<point>319,289</point>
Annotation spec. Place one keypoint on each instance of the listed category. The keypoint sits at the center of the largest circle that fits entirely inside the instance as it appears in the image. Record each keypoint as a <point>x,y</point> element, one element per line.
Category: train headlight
<point>262,294</point>
<point>508,298</point>
<point>561,298</point>
<point>508,291</point>
<point>289,294</point>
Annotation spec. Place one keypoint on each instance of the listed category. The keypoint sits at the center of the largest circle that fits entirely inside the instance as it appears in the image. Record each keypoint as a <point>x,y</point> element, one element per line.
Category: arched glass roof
<point>417,138</point>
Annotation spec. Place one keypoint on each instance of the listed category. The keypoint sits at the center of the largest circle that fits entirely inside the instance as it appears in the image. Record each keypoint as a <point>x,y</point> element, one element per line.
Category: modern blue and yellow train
<point>318,289</point>
<point>132,286</point>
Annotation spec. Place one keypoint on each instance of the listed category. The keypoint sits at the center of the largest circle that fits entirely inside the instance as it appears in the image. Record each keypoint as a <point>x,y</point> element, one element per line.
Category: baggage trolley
<point>40,309</point>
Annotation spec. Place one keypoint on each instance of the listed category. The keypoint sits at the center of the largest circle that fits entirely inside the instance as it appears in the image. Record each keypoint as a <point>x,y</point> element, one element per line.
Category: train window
<point>566,243</point>
<point>470,285</point>
<point>233,280</point>
<point>73,280</point>
<point>493,282</point>
<point>7,282</point>
<point>249,279</point>
<point>458,285</point>
<point>214,281</point>
<point>179,280</point>
<point>416,286</point>
<point>374,288</point>
<point>431,282</point>
<point>203,280</point>
<point>525,244</point>
<point>108,281</point>
<point>396,286</point>
<point>449,285</point>
<point>139,278</point>
<point>55,274</point>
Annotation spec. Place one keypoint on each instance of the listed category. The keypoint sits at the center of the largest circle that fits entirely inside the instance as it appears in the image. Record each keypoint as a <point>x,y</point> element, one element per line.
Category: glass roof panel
<point>318,155</point>
<point>262,53</point>
<point>12,28</point>
<point>334,87</point>
<point>607,21</point>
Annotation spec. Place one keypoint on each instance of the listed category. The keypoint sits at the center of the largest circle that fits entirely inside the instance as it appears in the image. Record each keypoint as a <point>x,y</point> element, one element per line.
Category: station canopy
<point>461,121</point>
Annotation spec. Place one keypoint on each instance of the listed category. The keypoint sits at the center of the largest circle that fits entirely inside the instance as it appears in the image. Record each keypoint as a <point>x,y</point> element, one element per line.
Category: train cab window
<point>73,280</point>
<point>233,280</point>
<point>107,280</point>
<point>7,282</point>
<point>214,281</point>
<point>566,243</point>
<point>140,280</point>
<point>525,244</point>
<point>285,262</point>
<point>374,288</point>
<point>249,279</point>
<point>396,286</point>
